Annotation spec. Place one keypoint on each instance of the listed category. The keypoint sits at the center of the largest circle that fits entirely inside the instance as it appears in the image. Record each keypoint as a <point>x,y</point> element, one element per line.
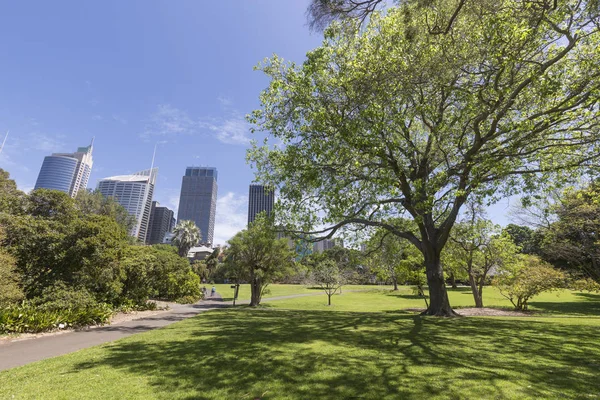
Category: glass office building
<point>67,172</point>
<point>198,200</point>
<point>134,192</point>
<point>260,199</point>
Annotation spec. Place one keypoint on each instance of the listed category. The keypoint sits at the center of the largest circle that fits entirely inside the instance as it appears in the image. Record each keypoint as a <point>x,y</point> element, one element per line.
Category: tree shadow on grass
<point>586,304</point>
<point>287,354</point>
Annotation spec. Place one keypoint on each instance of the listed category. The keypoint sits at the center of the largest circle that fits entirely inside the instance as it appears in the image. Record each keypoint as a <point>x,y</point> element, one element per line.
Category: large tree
<point>396,121</point>
<point>255,255</point>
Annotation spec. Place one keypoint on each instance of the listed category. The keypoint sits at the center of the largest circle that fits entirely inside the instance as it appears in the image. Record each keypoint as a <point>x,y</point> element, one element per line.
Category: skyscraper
<point>134,192</point>
<point>67,172</point>
<point>198,200</point>
<point>161,222</point>
<point>260,199</point>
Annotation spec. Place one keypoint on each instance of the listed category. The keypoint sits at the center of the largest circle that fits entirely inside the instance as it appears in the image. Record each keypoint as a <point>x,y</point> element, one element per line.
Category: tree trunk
<point>255,288</point>
<point>439,305</point>
<point>395,282</point>
<point>476,293</point>
<point>452,280</point>
<point>328,299</point>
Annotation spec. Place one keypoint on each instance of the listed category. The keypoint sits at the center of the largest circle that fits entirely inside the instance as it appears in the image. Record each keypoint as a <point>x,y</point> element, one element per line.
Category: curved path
<point>14,353</point>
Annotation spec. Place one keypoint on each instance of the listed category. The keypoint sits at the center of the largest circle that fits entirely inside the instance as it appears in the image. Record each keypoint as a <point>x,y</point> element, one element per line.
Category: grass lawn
<point>315,352</point>
<point>277,290</point>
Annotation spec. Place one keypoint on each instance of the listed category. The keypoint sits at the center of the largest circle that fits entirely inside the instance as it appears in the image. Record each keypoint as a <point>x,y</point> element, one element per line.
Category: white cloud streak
<point>171,122</point>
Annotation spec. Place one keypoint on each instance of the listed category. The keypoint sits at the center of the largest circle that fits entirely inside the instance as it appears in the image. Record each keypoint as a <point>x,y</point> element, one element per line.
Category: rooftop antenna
<point>3,142</point>
<point>92,144</point>
<point>153,156</point>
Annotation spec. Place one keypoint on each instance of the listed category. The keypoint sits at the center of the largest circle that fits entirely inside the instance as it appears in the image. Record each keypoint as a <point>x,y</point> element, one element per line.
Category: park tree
<point>476,247</point>
<point>187,235</point>
<point>385,255</point>
<point>572,241</point>
<point>94,202</point>
<point>397,121</point>
<point>521,281</point>
<point>10,197</point>
<point>10,282</point>
<point>327,276</point>
<point>256,255</point>
<point>528,240</point>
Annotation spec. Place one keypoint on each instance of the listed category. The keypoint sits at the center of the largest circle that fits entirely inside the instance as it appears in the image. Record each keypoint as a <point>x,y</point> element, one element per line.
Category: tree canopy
<point>396,121</point>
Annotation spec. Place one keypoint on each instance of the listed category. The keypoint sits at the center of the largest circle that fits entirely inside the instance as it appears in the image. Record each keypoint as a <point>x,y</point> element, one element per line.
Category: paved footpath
<point>21,352</point>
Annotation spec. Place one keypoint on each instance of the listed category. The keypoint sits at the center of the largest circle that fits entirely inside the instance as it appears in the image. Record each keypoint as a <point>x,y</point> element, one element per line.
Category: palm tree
<point>187,235</point>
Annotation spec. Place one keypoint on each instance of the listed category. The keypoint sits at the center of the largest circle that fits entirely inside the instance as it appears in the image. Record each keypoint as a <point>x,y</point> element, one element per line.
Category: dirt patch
<point>484,312</point>
<point>115,320</point>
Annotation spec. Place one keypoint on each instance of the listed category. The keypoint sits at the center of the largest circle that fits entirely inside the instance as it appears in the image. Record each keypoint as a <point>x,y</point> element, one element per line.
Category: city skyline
<point>260,199</point>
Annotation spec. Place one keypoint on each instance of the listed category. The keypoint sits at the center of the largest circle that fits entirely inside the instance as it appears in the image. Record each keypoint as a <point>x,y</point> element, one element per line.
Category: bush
<point>10,291</point>
<point>27,318</point>
<point>61,297</point>
<point>585,285</point>
<point>526,279</point>
<point>188,299</point>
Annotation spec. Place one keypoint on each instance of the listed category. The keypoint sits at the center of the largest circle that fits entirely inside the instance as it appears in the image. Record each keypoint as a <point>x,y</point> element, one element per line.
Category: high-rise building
<point>67,172</point>
<point>260,199</point>
<point>134,192</point>
<point>161,222</point>
<point>198,200</point>
<point>327,244</point>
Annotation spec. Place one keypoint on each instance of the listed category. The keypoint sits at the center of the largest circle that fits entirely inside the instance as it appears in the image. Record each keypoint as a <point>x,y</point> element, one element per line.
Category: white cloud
<point>232,217</point>
<point>233,130</point>
<point>97,117</point>
<point>169,121</point>
<point>46,143</point>
<point>119,119</point>
<point>225,101</point>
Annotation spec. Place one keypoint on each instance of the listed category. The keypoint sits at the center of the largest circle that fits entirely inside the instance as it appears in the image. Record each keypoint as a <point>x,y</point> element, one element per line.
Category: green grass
<point>338,352</point>
<point>277,290</point>
<point>563,302</point>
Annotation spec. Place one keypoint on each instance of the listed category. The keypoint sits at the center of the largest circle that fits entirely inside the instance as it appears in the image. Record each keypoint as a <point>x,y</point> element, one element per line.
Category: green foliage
<point>476,247</point>
<point>522,281</point>
<point>28,318</point>
<point>572,240</point>
<point>90,202</point>
<point>10,197</point>
<point>255,255</point>
<point>62,297</point>
<point>10,291</point>
<point>187,235</point>
<point>328,277</point>
<point>526,238</point>
<point>397,121</point>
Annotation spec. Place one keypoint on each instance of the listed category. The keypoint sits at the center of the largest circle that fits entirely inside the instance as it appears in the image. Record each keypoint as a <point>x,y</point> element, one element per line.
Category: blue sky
<point>136,73</point>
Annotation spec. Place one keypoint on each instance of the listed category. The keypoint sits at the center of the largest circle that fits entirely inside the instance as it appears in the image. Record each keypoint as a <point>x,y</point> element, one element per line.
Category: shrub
<point>188,299</point>
<point>585,285</point>
<point>60,297</point>
<point>27,318</point>
<point>532,276</point>
<point>10,291</point>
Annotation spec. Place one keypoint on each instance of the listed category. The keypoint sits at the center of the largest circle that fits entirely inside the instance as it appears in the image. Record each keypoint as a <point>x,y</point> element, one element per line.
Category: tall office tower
<point>327,244</point>
<point>198,200</point>
<point>67,172</point>
<point>260,199</point>
<point>161,222</point>
<point>134,192</point>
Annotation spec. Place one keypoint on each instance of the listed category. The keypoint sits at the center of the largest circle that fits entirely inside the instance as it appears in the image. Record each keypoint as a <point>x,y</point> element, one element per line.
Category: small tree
<point>327,276</point>
<point>257,256</point>
<point>187,235</point>
<point>521,281</point>
<point>476,246</point>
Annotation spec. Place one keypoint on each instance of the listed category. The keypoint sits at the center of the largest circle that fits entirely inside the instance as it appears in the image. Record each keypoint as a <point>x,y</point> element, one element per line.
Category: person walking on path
<point>213,291</point>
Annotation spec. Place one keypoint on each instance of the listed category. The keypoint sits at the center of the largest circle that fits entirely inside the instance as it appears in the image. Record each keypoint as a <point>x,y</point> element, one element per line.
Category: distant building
<point>67,172</point>
<point>161,222</point>
<point>199,252</point>
<point>198,200</point>
<point>327,244</point>
<point>134,192</point>
<point>260,199</point>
